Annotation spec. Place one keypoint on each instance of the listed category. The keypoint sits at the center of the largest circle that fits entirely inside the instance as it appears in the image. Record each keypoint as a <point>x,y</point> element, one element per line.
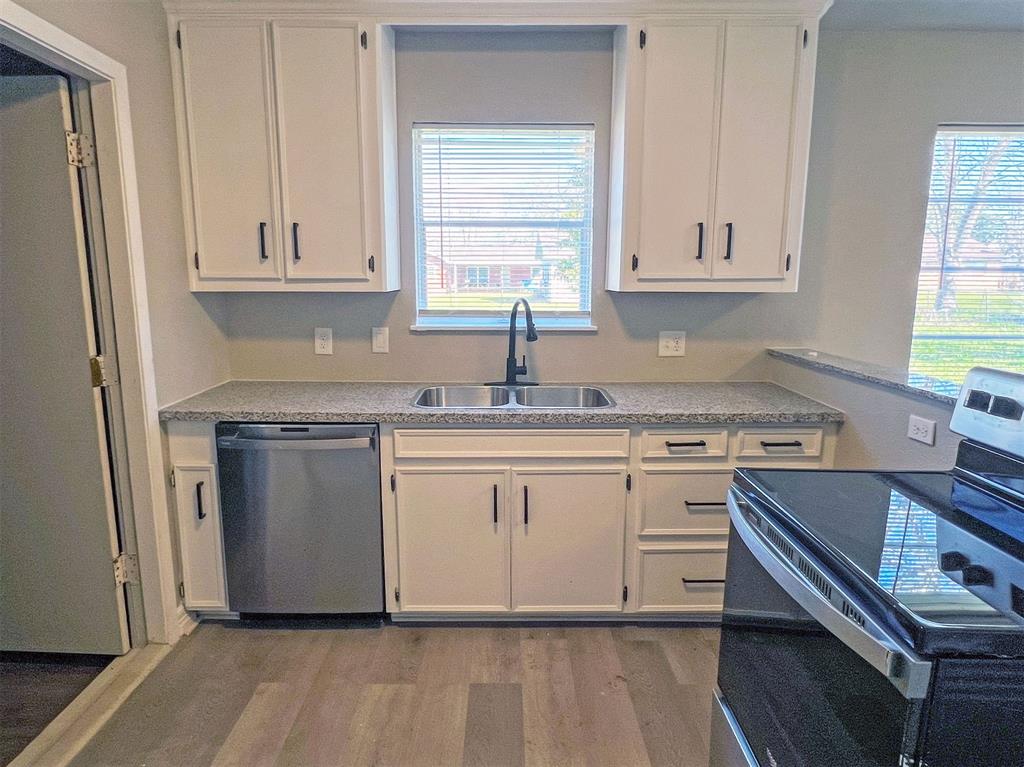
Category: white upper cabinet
<point>318,88</point>
<point>716,115</point>
<point>677,173</point>
<point>232,152</point>
<point>287,143</point>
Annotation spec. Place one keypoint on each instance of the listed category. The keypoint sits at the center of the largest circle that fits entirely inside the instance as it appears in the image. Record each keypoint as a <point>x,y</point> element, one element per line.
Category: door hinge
<point>181,589</point>
<point>643,39</point>
<point>126,569</point>
<point>392,483</point>
<point>174,480</point>
<point>177,38</point>
<point>195,260</point>
<point>636,262</point>
<point>363,40</point>
<point>372,263</point>
<point>625,594</point>
<point>789,260</point>
<point>80,149</point>
<point>98,371</point>
<point>397,595</point>
<point>629,482</point>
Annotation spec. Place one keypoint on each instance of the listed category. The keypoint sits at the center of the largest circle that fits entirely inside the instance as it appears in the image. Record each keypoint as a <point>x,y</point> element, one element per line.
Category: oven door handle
<point>831,605</point>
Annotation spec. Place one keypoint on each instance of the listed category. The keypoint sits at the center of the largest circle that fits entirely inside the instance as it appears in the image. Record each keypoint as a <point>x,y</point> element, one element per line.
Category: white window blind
<point>503,212</point>
<point>970,297</point>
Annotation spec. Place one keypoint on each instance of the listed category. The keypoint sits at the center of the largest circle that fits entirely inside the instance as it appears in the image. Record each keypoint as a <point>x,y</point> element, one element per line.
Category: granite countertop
<point>897,379</point>
<point>641,403</point>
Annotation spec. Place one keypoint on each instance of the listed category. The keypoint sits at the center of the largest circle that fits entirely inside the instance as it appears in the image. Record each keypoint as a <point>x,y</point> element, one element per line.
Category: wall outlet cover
<point>379,341</point>
<point>323,341</point>
<point>921,430</point>
<point>672,343</point>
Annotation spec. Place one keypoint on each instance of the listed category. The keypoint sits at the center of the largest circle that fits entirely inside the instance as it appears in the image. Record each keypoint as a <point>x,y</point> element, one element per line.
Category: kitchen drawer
<point>684,444</point>
<point>778,444</point>
<point>691,580</point>
<point>512,443</point>
<point>679,502</point>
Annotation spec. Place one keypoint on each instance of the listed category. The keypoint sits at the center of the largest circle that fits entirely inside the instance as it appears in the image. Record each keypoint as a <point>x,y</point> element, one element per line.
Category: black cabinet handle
<point>697,443</point>
<point>526,505</point>
<point>200,513</point>
<point>701,581</point>
<point>263,240</point>
<point>716,504</point>
<point>295,241</point>
<point>728,241</point>
<point>495,504</point>
<point>700,241</point>
<point>794,443</point>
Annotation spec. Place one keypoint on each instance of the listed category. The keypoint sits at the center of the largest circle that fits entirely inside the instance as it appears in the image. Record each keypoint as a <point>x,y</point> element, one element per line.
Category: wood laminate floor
<point>415,696</point>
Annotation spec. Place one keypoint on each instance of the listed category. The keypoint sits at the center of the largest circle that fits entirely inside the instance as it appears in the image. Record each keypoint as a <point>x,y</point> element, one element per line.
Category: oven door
<point>806,677</point>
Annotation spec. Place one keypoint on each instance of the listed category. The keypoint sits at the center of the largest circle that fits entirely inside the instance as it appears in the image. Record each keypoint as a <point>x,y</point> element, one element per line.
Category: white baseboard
<point>186,622</point>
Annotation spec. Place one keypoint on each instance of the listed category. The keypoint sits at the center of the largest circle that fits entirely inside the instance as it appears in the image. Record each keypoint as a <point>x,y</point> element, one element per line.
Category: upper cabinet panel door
<point>318,91</point>
<point>755,149</point>
<point>567,540</point>
<point>228,107</point>
<point>681,75</point>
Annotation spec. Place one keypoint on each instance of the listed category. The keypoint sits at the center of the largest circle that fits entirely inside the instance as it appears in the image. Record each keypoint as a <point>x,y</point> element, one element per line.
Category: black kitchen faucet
<point>512,368</point>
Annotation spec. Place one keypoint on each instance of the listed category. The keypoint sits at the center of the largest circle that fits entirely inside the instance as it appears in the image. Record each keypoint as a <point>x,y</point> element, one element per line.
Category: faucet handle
<point>521,369</point>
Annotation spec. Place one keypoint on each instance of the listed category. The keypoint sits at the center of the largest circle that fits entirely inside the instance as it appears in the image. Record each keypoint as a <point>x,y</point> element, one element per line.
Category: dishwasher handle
<point>343,443</point>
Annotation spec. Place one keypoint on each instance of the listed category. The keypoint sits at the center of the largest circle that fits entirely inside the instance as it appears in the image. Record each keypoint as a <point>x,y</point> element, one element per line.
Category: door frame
<point>108,84</point>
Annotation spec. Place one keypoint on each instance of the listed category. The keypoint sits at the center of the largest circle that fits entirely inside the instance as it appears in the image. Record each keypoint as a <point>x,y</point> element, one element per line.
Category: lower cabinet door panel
<point>682,581</point>
<point>680,502</point>
<point>200,537</point>
<point>567,540</point>
<point>452,540</point>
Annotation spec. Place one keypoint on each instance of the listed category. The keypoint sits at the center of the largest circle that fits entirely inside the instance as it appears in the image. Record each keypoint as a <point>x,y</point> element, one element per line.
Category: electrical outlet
<point>323,341</point>
<point>672,343</point>
<point>379,341</point>
<point>921,430</point>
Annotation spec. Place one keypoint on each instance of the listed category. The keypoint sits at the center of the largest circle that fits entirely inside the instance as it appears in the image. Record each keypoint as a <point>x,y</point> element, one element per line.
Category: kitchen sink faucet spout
<point>514,369</point>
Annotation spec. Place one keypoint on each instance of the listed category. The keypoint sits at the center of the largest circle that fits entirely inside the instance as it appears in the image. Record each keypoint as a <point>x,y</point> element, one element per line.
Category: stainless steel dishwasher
<point>301,517</point>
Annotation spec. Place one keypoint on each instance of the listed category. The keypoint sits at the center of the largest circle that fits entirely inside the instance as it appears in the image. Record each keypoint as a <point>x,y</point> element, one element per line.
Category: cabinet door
<point>755,149</point>
<point>567,540</point>
<point>232,157</point>
<point>681,73</point>
<point>199,533</point>
<point>452,540</point>
<point>318,93</point>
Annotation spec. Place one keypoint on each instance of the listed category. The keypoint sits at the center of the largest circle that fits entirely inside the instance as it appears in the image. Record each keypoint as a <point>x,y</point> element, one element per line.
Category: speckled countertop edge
<point>642,403</point>
<point>904,381</point>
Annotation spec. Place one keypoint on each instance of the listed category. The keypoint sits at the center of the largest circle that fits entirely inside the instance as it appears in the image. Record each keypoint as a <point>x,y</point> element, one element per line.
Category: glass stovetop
<point>894,528</point>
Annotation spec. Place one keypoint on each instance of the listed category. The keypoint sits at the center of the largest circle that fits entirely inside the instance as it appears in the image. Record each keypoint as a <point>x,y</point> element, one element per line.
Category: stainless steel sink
<point>561,397</point>
<point>463,396</point>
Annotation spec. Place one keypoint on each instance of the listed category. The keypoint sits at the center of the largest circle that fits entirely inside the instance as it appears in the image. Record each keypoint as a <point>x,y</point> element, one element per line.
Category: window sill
<point>471,327</point>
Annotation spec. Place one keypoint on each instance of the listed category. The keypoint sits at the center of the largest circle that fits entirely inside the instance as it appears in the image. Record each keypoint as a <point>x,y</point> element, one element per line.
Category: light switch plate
<point>379,342</point>
<point>921,430</point>
<point>672,343</point>
<point>323,341</point>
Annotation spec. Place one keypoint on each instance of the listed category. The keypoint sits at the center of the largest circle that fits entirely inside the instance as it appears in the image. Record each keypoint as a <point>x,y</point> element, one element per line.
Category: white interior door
<point>758,103</point>
<point>318,101</point>
<point>452,540</point>
<point>681,71</point>
<point>228,95</point>
<point>57,516</point>
<point>567,540</point>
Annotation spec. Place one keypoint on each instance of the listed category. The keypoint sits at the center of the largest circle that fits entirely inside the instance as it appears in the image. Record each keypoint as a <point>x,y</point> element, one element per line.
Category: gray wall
<point>190,347</point>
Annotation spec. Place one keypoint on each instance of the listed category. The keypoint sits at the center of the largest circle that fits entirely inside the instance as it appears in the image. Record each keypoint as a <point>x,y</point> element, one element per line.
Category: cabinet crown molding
<point>501,11</point>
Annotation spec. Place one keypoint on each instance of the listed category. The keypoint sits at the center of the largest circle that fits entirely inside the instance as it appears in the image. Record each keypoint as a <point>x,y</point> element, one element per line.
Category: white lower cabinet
<point>199,531</point>
<point>452,540</point>
<point>567,540</point>
<point>691,580</point>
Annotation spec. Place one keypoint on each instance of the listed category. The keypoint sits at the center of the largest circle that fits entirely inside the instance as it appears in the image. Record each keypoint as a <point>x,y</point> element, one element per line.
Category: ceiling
<point>926,14</point>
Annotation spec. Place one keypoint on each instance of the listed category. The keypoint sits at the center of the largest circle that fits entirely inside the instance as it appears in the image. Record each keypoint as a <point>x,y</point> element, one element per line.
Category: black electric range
<point>877,618</point>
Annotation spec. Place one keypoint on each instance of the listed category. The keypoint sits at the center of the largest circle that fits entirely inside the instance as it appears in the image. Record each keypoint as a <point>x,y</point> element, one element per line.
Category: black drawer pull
<point>200,513</point>
<point>698,443</point>
<point>701,581</point>
<point>716,504</point>
<point>295,241</point>
<point>728,241</point>
<point>495,504</point>
<point>263,240</point>
<point>526,505</point>
<point>794,443</point>
<point>700,241</point>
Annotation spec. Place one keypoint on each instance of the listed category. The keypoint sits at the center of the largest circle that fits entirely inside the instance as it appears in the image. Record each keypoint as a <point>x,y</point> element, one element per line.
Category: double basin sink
<point>562,397</point>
